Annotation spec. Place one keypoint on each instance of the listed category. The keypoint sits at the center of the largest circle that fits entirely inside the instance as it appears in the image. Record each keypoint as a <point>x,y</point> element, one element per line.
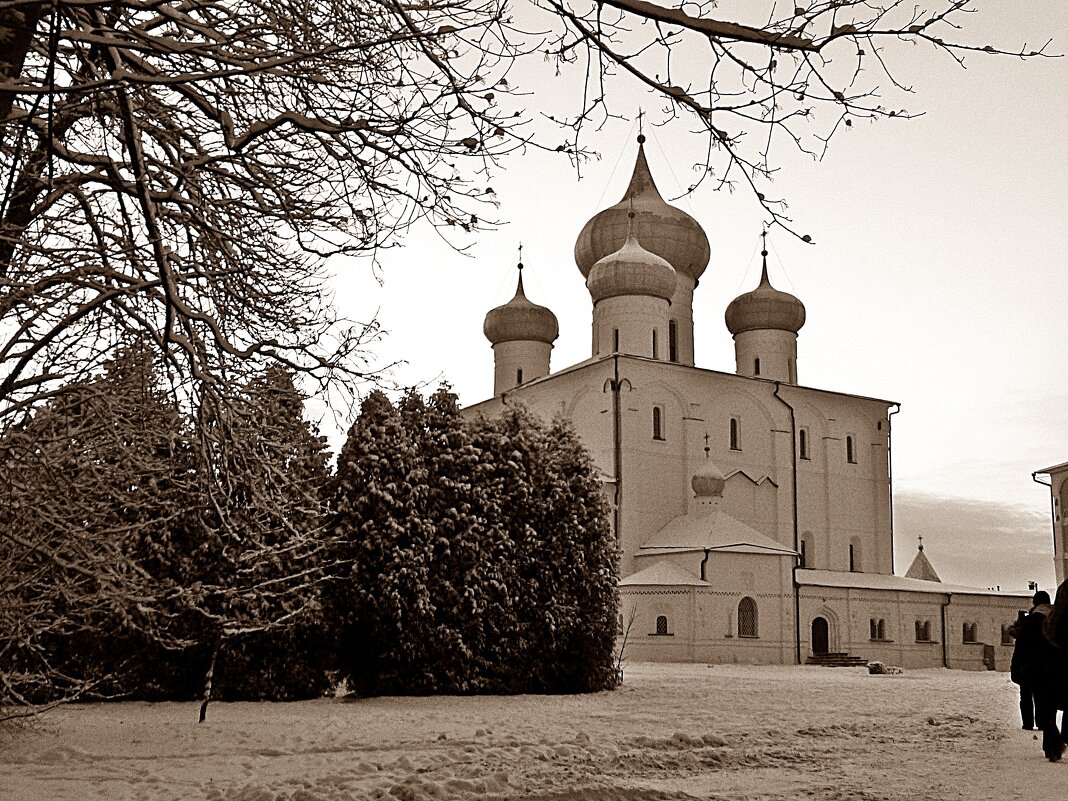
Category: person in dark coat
<point>1020,674</point>
<point>1034,662</point>
<point>1051,694</point>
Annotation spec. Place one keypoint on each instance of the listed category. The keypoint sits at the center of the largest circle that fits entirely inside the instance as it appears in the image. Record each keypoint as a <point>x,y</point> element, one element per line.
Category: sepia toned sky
<point>938,278</point>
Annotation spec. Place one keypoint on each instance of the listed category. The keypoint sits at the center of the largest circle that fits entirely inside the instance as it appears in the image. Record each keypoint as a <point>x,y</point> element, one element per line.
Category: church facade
<point>753,513</point>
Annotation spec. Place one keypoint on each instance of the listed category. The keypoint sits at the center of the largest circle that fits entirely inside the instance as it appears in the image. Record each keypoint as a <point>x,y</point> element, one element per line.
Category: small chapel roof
<point>663,573</point>
<point>714,531</point>
<point>921,567</point>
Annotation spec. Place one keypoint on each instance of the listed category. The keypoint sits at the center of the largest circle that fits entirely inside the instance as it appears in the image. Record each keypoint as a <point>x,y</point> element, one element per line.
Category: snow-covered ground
<point>670,732</point>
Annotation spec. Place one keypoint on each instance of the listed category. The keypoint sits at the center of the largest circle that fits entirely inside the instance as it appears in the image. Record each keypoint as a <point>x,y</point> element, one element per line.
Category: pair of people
<point>1040,667</point>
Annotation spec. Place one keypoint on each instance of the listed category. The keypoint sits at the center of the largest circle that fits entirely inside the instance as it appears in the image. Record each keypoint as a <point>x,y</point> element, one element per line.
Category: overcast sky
<point>937,279</point>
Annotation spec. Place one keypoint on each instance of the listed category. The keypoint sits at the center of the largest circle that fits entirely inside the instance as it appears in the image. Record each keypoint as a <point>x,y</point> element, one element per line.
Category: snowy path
<point>671,732</point>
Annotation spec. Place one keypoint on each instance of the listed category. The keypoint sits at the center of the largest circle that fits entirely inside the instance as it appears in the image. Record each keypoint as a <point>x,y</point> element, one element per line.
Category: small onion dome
<point>520,320</point>
<point>631,270</point>
<point>665,230</point>
<point>765,308</point>
<point>708,482</point>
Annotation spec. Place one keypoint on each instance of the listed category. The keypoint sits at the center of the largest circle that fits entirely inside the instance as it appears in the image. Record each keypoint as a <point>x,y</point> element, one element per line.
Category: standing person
<point>1033,663</point>
<point>1051,694</point>
<point>1020,672</point>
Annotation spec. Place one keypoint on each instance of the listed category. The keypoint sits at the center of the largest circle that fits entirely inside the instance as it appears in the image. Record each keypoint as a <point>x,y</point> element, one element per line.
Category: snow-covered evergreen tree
<point>270,507</point>
<point>380,599</point>
<point>482,557</point>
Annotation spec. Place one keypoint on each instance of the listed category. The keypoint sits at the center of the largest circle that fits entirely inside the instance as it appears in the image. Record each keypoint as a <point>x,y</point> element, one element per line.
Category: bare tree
<point>754,76</point>
<point>181,170</point>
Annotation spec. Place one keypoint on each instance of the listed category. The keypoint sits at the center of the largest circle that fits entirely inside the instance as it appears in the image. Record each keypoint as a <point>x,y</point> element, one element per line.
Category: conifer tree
<point>481,556</point>
<point>380,599</point>
<point>273,501</point>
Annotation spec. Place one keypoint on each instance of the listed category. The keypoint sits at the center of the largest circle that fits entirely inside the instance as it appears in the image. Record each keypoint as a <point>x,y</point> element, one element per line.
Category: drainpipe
<point>890,483</point>
<point>1052,509</point>
<point>797,541</point>
<point>617,446</point>
<point>945,638</point>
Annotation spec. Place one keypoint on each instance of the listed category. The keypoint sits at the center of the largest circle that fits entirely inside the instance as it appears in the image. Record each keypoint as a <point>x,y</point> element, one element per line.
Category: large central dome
<point>661,228</point>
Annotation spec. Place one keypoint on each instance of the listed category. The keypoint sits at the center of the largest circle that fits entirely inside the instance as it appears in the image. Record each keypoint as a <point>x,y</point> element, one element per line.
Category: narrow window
<point>615,340</point>
<point>873,629</point>
<point>747,618</point>
<point>519,376</point>
<point>852,559</point>
<point>673,341</point>
<point>656,350</point>
<point>735,439</point>
<point>919,631</point>
<point>661,624</point>
<point>881,629</point>
<point>851,451</point>
<point>1006,635</point>
<point>971,632</point>
<point>658,423</point>
<point>804,548</point>
<point>756,366</point>
<point>802,442</point>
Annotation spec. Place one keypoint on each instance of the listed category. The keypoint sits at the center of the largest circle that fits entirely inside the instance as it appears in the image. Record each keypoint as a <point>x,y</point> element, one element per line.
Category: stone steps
<point>839,659</point>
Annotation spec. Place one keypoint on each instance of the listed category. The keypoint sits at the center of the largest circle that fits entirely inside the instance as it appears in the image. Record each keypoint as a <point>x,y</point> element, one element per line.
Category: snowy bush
<point>477,555</point>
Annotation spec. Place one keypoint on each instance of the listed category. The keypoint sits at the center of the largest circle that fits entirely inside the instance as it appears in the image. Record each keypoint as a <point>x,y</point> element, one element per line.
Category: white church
<point>753,513</point>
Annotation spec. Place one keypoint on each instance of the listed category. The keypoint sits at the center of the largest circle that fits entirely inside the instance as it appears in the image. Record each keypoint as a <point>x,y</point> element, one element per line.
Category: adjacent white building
<point>753,513</point>
<point>1058,487</point>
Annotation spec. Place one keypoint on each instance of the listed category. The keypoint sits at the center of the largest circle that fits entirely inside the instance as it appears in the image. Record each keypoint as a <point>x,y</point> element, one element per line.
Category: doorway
<point>820,636</point>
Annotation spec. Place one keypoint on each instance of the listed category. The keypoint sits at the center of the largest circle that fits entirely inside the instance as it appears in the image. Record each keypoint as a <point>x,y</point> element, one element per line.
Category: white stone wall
<point>509,358</point>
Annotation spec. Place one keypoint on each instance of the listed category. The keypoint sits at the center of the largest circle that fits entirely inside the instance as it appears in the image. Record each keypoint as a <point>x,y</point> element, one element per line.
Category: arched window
<point>923,631</point>
<point>673,341</point>
<point>661,624</point>
<point>851,450</point>
<point>881,629</point>
<point>519,376</point>
<point>615,340</point>
<point>756,366</point>
<point>804,553</point>
<point>873,629</point>
<point>735,435</point>
<point>1006,634</point>
<point>747,618</point>
<point>656,350</point>
<point>971,632</point>
<point>658,423</point>
<point>802,443</point>
<point>855,564</point>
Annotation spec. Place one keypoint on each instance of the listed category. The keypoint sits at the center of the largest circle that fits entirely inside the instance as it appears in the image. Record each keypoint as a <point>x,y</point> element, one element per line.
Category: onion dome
<point>708,482</point>
<point>765,308</point>
<point>631,270</point>
<point>520,320</point>
<point>665,230</point>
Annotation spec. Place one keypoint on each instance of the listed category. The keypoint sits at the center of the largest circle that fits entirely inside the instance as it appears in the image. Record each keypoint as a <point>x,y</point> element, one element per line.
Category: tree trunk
<point>207,681</point>
<point>18,24</point>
